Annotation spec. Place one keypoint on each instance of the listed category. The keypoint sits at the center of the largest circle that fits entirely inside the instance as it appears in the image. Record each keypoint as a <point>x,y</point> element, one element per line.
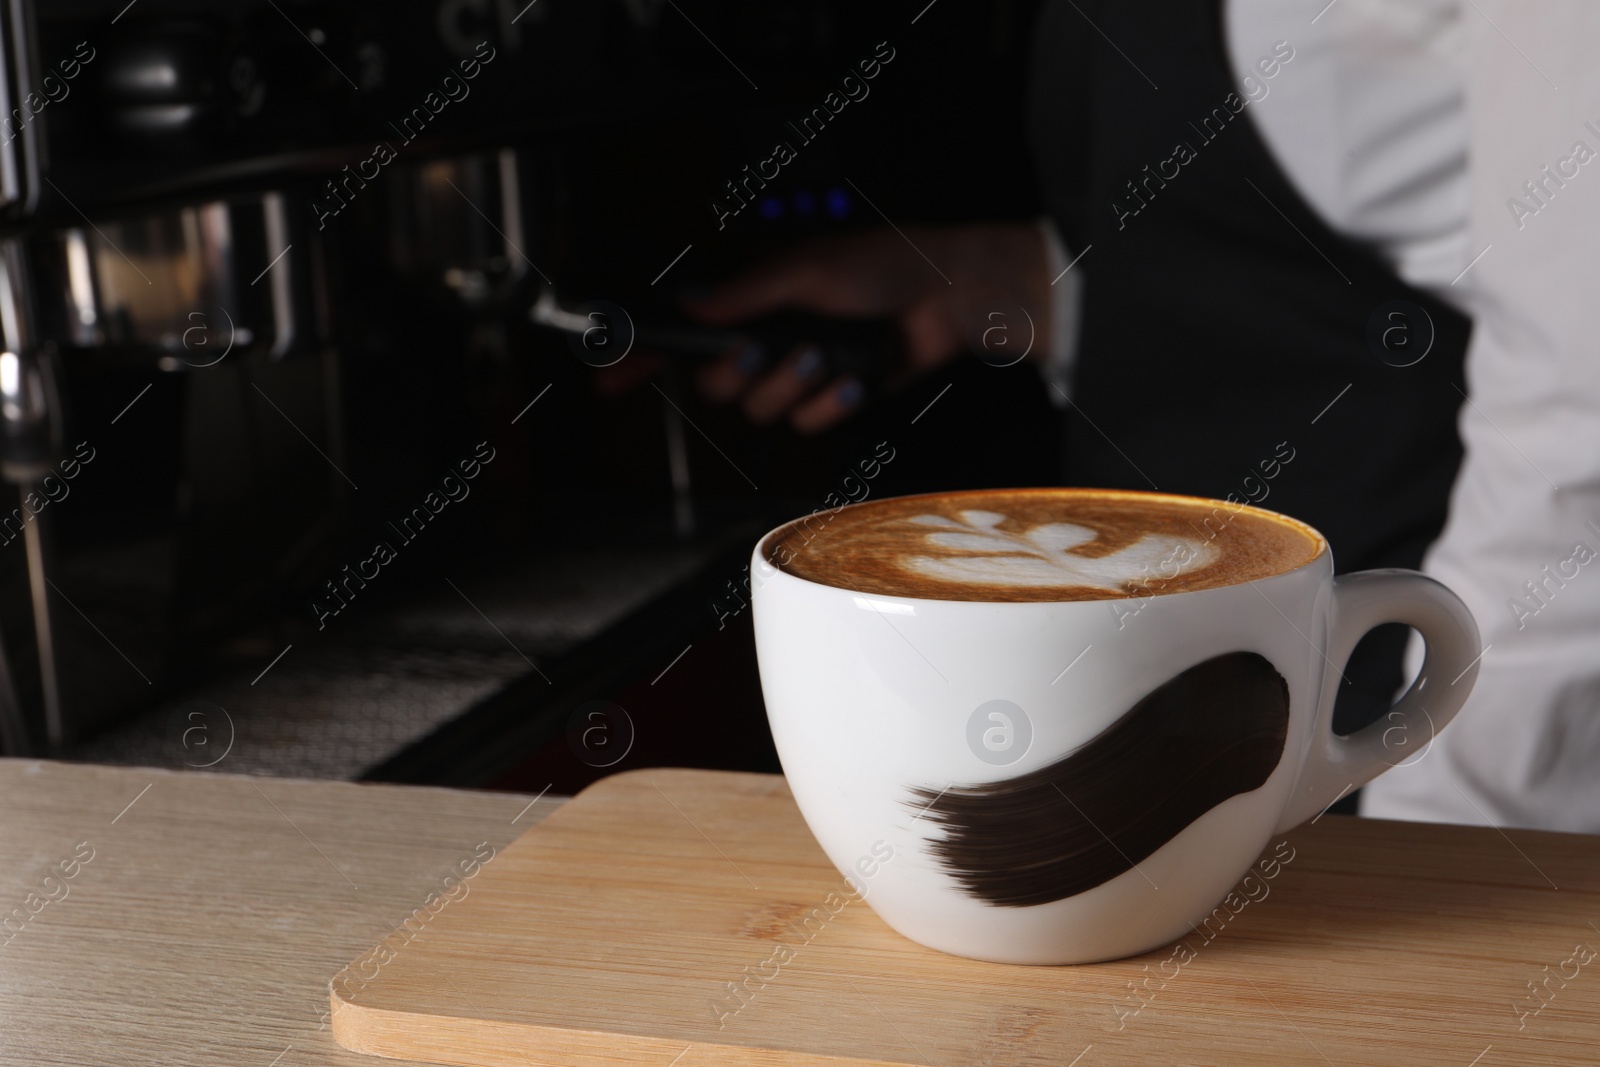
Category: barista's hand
<point>942,302</point>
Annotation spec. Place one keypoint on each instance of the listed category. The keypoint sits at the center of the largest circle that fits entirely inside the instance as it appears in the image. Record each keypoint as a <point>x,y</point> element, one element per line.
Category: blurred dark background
<point>278,261</point>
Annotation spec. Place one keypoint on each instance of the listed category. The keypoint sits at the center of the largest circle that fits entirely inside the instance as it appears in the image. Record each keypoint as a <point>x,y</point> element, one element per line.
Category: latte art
<point>1044,557</point>
<point>1040,544</point>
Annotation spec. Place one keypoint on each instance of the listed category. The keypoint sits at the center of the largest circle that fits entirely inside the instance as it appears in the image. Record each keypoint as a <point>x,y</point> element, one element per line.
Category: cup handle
<point>1334,765</point>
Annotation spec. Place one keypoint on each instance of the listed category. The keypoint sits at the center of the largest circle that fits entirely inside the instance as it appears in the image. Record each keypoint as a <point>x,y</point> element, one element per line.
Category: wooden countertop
<point>212,909</point>
<point>175,918</point>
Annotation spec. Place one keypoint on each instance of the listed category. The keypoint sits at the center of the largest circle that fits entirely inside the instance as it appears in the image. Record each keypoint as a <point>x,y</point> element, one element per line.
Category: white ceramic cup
<point>871,697</point>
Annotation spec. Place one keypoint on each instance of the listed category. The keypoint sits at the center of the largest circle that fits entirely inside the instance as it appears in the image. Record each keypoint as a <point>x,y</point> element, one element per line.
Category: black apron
<point>1222,318</point>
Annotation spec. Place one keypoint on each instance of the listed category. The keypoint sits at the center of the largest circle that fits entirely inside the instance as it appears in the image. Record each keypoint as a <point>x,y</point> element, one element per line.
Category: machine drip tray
<point>457,686</point>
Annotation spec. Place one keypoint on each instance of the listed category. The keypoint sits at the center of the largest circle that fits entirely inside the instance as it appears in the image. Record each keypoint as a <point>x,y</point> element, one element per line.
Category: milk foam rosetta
<point>1042,556</point>
<point>1040,544</point>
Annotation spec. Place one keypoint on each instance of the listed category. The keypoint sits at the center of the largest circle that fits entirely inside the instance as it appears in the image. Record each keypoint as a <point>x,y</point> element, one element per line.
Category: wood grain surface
<point>611,933</point>
<point>212,908</point>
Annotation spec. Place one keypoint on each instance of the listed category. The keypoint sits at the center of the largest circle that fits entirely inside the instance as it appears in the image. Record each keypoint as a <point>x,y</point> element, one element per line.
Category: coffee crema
<point>1040,545</point>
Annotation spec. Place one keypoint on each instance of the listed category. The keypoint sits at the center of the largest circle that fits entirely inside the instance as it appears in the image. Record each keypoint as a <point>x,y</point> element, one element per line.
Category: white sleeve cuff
<point>1066,308</point>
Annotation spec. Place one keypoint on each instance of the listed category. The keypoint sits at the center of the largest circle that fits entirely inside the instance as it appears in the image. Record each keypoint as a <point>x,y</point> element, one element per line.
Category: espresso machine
<point>266,264</point>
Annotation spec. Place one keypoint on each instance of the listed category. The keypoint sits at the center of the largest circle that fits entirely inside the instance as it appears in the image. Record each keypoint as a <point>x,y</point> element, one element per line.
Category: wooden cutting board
<point>610,933</point>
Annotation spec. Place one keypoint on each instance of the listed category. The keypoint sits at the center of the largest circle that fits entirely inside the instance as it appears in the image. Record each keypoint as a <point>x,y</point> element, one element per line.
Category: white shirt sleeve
<point>1521,543</point>
<point>1066,310</point>
<point>1367,117</point>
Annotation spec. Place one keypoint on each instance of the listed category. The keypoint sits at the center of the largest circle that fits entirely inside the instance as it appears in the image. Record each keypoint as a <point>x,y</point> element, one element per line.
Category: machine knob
<point>171,78</point>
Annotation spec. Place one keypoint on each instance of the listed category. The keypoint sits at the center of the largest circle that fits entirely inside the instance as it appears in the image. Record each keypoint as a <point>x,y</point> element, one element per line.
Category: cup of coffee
<point>1061,724</point>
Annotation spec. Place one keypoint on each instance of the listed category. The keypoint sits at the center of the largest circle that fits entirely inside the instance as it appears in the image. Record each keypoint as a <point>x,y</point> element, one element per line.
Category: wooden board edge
<point>458,1042</point>
<point>751,782</point>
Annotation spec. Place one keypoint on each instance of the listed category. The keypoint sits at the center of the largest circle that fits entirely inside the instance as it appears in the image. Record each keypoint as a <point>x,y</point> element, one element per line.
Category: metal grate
<point>347,698</point>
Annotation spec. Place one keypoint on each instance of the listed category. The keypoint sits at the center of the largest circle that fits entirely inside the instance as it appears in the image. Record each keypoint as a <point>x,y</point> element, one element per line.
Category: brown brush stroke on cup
<point>1212,732</point>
